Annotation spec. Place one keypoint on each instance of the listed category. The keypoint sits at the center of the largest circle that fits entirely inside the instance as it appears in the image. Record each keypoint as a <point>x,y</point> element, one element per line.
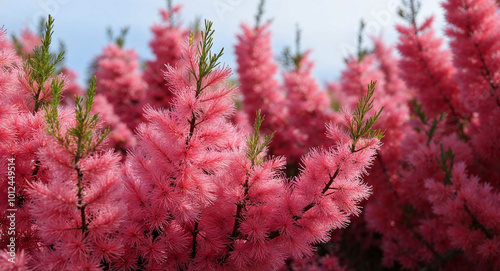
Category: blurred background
<point>329,27</point>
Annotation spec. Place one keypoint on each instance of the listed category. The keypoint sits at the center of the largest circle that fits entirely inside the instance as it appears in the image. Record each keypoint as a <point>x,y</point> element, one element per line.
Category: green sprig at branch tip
<point>207,61</point>
<point>254,147</point>
<point>82,135</point>
<point>361,128</point>
<point>40,65</point>
<point>446,164</point>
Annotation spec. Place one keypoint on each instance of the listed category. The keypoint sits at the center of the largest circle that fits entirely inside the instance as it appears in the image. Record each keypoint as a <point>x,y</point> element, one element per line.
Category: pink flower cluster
<point>166,46</point>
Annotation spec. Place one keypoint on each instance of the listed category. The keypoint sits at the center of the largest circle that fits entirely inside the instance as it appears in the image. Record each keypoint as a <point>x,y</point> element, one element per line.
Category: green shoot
<point>359,128</point>
<point>446,164</point>
<point>433,128</point>
<point>196,25</point>
<point>207,61</point>
<point>254,147</point>
<point>18,46</point>
<point>120,38</point>
<point>260,12</point>
<point>170,11</point>
<point>419,111</point>
<point>409,11</point>
<point>362,52</point>
<point>424,119</point>
<point>292,60</point>
<point>79,140</point>
<point>40,65</point>
<point>51,113</point>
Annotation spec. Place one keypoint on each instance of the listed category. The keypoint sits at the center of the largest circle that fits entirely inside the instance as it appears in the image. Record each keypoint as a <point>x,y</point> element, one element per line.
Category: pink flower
<point>119,81</point>
<point>256,73</point>
<point>166,45</point>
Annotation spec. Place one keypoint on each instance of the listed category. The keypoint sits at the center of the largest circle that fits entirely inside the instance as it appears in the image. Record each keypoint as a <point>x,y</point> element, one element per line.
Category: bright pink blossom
<point>428,69</point>
<point>166,46</point>
<point>474,30</point>
<point>119,81</point>
<point>257,70</point>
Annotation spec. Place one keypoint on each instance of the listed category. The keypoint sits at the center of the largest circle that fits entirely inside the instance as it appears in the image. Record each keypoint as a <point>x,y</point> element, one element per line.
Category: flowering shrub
<point>160,168</point>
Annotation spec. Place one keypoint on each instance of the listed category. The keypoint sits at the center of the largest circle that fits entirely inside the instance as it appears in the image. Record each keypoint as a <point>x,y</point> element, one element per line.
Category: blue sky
<point>329,27</point>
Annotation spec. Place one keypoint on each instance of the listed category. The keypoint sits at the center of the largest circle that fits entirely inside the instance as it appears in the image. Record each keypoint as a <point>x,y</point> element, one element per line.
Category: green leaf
<point>359,127</point>
<point>207,61</point>
<point>446,164</point>
<point>254,148</point>
<point>40,65</point>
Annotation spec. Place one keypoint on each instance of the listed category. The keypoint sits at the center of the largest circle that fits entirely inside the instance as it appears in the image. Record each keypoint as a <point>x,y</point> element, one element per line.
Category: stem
<point>239,213</point>
<point>194,242</point>
<point>426,244</point>
<point>35,170</point>
<point>276,233</point>
<point>477,224</point>
<point>192,126</point>
<point>386,175</point>
<point>325,189</point>
<point>37,102</point>
<point>81,206</point>
<point>238,218</point>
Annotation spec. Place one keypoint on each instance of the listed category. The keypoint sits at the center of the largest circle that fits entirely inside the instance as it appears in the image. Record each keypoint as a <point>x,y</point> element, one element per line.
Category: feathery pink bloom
<point>469,209</point>
<point>19,141</point>
<point>166,45</point>
<point>474,30</point>
<point>356,76</point>
<point>121,138</point>
<point>28,41</point>
<point>119,81</point>
<point>72,88</point>
<point>256,74</point>
<point>76,206</point>
<point>180,152</point>
<point>428,69</point>
<point>308,110</point>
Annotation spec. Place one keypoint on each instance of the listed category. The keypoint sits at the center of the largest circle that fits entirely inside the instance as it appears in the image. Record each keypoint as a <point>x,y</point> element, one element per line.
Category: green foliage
<point>419,111</point>
<point>433,128</point>
<point>207,61</point>
<point>361,128</point>
<point>170,9</point>
<point>423,117</point>
<point>62,50</point>
<point>260,12</point>
<point>51,114</point>
<point>40,65</point>
<point>18,46</point>
<point>196,25</point>
<point>334,103</point>
<point>362,51</point>
<point>409,11</point>
<point>79,140</point>
<point>120,38</point>
<point>41,26</point>
<point>254,146</point>
<point>446,164</point>
<point>291,60</point>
